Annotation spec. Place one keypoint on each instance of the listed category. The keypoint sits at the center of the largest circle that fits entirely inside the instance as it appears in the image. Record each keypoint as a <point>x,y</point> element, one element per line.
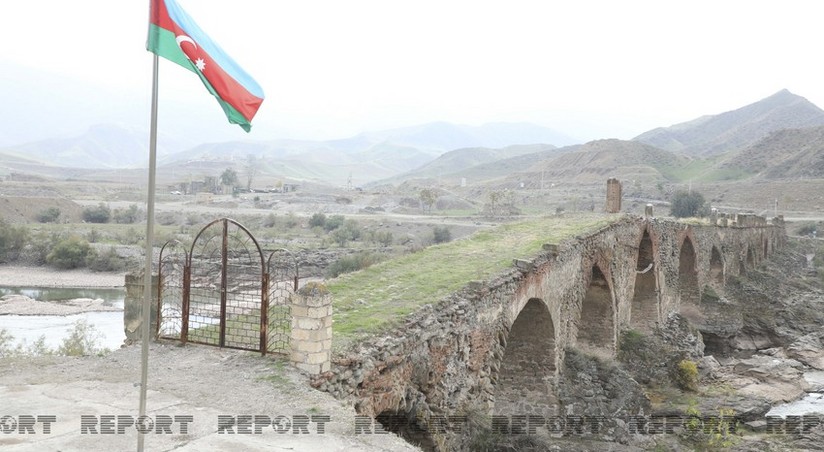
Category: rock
<point>808,350</point>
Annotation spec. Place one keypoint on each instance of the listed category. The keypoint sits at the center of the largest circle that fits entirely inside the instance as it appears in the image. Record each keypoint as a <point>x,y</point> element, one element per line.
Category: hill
<point>475,163</point>
<point>101,146</point>
<point>597,160</point>
<point>737,129</point>
<point>783,154</point>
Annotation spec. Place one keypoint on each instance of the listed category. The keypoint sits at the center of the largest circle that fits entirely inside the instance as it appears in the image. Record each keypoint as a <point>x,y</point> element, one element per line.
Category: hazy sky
<point>331,68</point>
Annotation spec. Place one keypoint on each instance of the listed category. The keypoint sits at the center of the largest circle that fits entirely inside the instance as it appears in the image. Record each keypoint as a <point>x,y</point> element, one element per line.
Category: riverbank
<point>51,277</point>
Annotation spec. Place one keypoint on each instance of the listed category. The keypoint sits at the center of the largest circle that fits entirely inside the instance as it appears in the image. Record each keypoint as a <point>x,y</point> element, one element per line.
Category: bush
<point>128,216</point>
<point>270,221</point>
<point>351,264</point>
<point>108,261</point>
<point>82,341</point>
<point>12,241</point>
<point>99,214</point>
<point>333,222</point>
<point>69,253</point>
<point>441,234</point>
<point>687,204</point>
<point>686,375</point>
<point>318,219</point>
<point>49,215</point>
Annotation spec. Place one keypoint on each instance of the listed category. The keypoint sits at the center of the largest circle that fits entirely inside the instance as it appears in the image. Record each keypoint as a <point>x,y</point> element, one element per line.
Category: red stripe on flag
<point>159,16</point>
<point>227,88</point>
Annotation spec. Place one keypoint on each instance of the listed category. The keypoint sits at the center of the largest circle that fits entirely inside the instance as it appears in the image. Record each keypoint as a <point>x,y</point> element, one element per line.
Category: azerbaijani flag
<point>175,36</point>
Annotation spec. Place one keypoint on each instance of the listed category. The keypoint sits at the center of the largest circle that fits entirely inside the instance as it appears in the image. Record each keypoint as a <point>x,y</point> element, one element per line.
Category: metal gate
<point>224,292</point>
<point>282,268</point>
<point>170,284</point>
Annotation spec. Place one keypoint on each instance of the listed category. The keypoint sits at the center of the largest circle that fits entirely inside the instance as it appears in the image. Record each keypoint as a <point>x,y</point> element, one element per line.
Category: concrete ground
<point>200,398</point>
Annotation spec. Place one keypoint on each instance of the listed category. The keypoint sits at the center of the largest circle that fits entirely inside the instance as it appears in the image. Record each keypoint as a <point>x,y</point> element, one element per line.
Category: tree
<point>428,198</point>
<point>229,177</point>
<point>687,204</point>
<point>251,169</point>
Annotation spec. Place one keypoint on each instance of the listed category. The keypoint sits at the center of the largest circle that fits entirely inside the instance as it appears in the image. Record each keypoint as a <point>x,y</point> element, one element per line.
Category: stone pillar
<point>713,216</point>
<point>649,211</point>
<point>613,195</point>
<point>311,338</point>
<point>133,306</point>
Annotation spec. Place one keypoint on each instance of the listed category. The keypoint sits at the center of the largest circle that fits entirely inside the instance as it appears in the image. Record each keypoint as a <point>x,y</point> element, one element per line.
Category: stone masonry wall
<point>451,358</point>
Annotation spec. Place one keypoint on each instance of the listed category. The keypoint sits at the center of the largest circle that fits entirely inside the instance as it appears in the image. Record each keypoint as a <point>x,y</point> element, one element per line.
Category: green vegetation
<point>49,215</point>
<point>70,253</point>
<point>687,375</point>
<point>370,300</point>
<point>441,234</point>
<point>82,341</point>
<point>703,170</point>
<point>687,204</point>
<point>99,214</point>
<point>12,241</point>
<point>349,264</point>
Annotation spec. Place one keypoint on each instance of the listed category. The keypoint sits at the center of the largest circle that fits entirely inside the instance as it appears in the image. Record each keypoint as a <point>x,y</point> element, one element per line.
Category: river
<point>28,328</point>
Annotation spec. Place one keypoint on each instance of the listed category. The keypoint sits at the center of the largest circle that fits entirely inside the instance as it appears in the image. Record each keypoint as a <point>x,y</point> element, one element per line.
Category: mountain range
<point>781,136</point>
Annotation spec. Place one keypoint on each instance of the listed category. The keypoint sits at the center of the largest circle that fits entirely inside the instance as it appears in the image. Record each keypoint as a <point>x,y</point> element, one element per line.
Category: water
<point>812,403</point>
<point>28,328</point>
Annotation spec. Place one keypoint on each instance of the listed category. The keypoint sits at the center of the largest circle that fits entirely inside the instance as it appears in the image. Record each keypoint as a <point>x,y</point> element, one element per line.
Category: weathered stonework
<point>613,204</point>
<point>133,306</point>
<point>311,338</point>
<point>494,346</point>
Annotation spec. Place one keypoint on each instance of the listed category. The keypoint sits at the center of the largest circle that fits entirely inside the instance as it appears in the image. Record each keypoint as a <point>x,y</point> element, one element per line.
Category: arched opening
<point>644,313</point>
<point>750,258</point>
<point>716,267</point>
<point>526,378</point>
<point>596,333</point>
<point>688,275</point>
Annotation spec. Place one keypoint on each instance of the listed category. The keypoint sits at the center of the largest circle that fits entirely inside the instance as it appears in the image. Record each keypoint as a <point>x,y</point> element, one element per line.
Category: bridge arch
<point>596,331</point>
<point>716,267</point>
<point>688,289</point>
<point>645,303</point>
<point>526,376</point>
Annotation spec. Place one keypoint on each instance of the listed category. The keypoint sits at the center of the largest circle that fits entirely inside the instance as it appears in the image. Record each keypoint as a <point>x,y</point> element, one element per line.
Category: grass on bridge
<point>379,297</point>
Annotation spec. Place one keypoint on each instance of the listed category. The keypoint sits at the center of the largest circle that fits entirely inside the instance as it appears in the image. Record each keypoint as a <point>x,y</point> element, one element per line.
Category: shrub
<point>107,261</point>
<point>687,204</point>
<point>441,234</point>
<point>383,238</point>
<point>351,264</point>
<point>318,219</point>
<point>99,214</point>
<point>333,222</point>
<point>128,216</point>
<point>686,375</point>
<point>12,241</point>
<point>69,253</point>
<point>82,341</point>
<point>270,221</point>
<point>49,215</point>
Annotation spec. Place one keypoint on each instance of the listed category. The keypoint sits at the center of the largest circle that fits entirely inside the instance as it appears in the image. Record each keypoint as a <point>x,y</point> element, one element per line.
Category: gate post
<point>311,337</point>
<point>133,306</point>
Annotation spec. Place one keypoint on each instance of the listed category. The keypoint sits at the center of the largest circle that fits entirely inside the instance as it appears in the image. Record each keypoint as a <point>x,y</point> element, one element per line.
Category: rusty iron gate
<point>282,268</point>
<point>224,291</point>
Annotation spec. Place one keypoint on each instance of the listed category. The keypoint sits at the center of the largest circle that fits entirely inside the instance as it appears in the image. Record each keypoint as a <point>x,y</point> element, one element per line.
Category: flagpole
<point>147,284</point>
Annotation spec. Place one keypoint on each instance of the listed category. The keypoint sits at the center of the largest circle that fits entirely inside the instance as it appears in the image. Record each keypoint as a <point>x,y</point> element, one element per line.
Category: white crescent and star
<point>180,39</point>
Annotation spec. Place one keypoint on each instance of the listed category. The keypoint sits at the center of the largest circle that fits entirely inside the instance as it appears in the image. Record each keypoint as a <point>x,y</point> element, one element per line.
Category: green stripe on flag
<point>162,42</point>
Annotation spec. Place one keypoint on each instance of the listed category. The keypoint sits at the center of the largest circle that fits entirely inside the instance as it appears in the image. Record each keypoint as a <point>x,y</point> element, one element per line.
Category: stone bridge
<point>500,344</point>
